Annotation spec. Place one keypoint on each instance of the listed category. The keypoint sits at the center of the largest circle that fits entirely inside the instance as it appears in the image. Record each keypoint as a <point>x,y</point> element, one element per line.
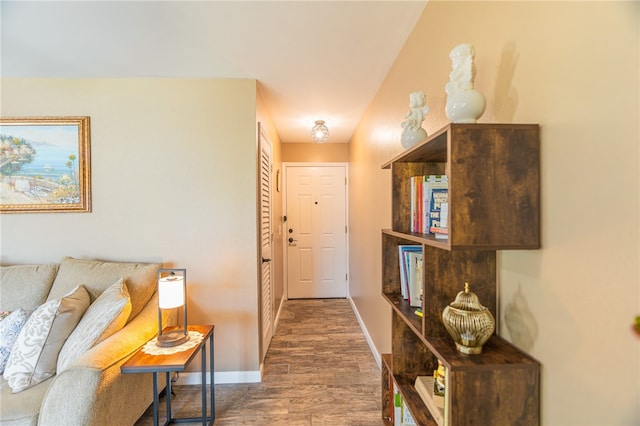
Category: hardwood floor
<point>319,371</point>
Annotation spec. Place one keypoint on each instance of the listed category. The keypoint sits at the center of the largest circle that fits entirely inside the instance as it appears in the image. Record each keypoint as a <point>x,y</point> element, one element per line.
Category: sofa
<point>99,313</point>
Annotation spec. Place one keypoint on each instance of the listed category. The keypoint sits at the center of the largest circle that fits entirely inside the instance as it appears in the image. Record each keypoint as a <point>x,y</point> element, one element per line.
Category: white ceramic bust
<point>464,103</point>
<point>412,131</point>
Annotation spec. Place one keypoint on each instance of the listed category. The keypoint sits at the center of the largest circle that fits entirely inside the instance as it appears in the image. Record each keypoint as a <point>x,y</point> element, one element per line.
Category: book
<point>435,404</point>
<point>430,183</point>
<point>440,230</point>
<point>407,418</point>
<point>401,414</point>
<point>404,267</point>
<point>415,278</point>
<point>391,396</point>
<point>439,197</point>
<point>416,207</point>
<point>412,204</point>
<point>397,406</point>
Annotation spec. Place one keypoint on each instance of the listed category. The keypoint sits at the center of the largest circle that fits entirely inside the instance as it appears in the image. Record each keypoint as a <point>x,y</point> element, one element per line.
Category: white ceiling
<point>313,59</point>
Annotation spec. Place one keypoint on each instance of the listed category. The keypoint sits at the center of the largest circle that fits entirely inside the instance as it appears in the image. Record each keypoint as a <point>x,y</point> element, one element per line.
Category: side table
<point>142,362</point>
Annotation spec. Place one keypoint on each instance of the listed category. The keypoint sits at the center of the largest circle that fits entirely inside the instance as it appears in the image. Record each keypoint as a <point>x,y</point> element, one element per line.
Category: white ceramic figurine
<point>464,103</point>
<point>412,131</point>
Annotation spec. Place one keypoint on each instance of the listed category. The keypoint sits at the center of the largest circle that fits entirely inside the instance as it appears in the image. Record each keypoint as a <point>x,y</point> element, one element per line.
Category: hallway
<point>318,370</point>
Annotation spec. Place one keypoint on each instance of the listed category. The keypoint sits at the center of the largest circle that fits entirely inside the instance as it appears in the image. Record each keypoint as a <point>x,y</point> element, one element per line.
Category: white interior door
<point>316,231</point>
<point>266,237</point>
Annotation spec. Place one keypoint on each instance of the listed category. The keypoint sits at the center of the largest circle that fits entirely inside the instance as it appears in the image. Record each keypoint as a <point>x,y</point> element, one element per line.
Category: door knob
<point>291,240</point>
<point>265,260</point>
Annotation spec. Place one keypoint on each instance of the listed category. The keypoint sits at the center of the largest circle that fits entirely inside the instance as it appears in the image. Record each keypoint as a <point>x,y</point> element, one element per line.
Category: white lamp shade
<point>171,292</point>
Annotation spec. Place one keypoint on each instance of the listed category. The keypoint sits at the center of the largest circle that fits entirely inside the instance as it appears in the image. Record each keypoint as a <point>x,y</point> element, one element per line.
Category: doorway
<point>315,237</point>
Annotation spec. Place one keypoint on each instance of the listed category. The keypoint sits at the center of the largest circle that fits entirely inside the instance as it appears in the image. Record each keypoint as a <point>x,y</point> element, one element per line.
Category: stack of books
<point>432,391</point>
<point>410,262</point>
<point>429,197</point>
<point>401,414</point>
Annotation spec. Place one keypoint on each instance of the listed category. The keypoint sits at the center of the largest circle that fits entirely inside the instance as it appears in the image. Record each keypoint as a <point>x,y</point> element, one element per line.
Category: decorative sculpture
<point>464,103</point>
<point>412,131</point>
<point>468,322</point>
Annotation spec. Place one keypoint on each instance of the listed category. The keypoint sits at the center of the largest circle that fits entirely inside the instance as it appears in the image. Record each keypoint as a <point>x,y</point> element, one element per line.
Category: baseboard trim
<point>367,336</point>
<point>277,320</point>
<point>221,377</point>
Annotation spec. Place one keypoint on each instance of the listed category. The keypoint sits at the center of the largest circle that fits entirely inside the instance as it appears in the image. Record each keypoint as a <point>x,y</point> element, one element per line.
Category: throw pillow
<point>9,329</point>
<point>26,286</point>
<point>96,276</point>
<point>34,356</point>
<point>104,317</point>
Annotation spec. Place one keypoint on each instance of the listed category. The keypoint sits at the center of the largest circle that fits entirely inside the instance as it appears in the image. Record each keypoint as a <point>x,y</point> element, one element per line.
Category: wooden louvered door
<point>266,237</point>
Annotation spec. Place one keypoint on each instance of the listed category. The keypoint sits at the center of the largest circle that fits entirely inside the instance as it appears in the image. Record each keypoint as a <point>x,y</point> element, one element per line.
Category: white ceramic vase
<point>465,106</point>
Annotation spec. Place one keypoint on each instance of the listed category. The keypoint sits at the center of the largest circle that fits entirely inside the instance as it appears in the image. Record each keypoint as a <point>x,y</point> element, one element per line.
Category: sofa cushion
<point>22,408</point>
<point>34,356</point>
<point>9,329</point>
<point>104,317</point>
<point>96,276</point>
<point>25,286</point>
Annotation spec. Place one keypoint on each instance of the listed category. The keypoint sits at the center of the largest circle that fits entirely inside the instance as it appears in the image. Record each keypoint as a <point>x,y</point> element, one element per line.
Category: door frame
<point>285,254</point>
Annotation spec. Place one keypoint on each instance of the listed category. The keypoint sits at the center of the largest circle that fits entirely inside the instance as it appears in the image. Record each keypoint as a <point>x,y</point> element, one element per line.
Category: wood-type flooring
<point>319,371</point>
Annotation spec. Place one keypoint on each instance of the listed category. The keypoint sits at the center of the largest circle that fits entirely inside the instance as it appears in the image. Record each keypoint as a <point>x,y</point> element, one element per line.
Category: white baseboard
<point>367,336</point>
<point>221,377</point>
<point>277,320</point>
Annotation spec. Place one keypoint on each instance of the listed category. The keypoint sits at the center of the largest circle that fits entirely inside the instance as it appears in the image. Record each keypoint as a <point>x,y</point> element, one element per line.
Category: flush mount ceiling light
<point>319,132</point>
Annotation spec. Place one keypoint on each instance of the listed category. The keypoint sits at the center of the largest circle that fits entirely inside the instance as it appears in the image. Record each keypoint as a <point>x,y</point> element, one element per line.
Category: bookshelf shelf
<point>494,190</point>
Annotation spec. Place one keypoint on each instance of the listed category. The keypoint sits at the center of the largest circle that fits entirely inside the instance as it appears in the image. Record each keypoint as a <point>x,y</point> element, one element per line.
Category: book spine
<point>439,197</point>
<point>438,230</point>
<point>413,204</point>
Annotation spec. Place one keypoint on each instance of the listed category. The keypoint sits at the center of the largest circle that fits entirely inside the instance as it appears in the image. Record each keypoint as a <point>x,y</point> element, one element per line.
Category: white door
<point>266,236</point>
<point>316,231</point>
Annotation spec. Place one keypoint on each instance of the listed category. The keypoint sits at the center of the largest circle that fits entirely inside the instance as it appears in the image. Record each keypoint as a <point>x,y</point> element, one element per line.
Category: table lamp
<point>172,294</point>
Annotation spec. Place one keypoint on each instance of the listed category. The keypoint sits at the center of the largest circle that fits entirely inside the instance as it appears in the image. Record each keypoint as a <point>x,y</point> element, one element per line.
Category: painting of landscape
<point>44,165</point>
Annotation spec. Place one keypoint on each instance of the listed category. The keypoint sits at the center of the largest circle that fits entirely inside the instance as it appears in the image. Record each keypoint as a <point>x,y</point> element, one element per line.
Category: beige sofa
<point>91,390</point>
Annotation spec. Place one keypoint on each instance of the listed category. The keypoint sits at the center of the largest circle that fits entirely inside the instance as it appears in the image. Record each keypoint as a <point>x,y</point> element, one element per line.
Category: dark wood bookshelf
<point>494,191</point>
<point>494,184</point>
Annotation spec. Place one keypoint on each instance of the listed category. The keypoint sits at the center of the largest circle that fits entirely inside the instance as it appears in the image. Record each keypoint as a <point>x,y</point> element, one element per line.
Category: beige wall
<point>314,152</point>
<point>573,68</point>
<point>173,180</point>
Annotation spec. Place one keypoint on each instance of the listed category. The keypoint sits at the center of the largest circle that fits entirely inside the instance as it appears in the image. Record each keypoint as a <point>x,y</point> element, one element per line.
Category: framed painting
<point>45,165</point>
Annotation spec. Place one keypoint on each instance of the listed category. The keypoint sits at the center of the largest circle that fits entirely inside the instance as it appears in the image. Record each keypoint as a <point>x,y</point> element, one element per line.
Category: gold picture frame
<point>45,165</point>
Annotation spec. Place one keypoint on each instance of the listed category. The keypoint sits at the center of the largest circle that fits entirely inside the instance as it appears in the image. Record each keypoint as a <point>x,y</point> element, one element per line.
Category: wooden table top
<point>141,362</point>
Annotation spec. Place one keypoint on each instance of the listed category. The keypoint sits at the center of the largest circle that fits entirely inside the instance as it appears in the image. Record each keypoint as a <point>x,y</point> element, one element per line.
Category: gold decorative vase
<point>468,322</point>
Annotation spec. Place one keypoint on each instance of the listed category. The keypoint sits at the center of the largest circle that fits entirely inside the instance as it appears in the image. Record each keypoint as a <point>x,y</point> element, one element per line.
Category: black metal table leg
<point>155,399</point>
<point>211,380</point>
<point>203,387</point>
<point>168,396</point>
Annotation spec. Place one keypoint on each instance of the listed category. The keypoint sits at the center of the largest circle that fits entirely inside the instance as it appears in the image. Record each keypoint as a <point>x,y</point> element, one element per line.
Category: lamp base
<point>172,338</point>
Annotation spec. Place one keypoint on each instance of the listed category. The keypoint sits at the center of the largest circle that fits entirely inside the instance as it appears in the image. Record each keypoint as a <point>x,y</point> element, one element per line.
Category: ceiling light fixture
<point>319,132</point>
